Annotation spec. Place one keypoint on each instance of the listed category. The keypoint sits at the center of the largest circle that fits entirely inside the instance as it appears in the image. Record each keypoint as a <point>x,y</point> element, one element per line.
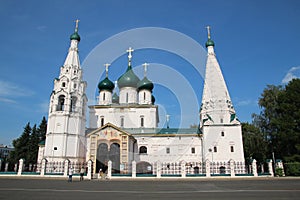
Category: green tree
<point>21,145</point>
<point>279,120</point>
<point>255,145</point>
<point>42,129</point>
<point>33,146</point>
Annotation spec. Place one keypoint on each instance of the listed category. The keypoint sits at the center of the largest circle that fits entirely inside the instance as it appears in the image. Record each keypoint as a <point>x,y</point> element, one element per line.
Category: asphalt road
<point>266,188</point>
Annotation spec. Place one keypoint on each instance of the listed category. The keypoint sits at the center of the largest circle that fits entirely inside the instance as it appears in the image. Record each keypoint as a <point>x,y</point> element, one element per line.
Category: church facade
<point>123,127</point>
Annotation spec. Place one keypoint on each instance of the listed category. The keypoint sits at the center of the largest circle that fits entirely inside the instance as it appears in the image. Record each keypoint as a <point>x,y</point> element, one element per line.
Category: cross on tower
<point>76,25</point>
<point>208,31</point>
<point>106,68</point>
<point>129,53</point>
<point>145,65</point>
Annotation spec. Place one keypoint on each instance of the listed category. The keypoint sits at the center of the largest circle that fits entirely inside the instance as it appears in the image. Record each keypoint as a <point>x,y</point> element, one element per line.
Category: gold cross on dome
<point>208,31</point>
<point>145,65</point>
<point>106,68</point>
<point>129,51</point>
<point>76,25</point>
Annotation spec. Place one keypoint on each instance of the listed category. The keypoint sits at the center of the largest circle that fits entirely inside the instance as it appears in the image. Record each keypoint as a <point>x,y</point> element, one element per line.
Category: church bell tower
<point>65,137</point>
<point>222,133</point>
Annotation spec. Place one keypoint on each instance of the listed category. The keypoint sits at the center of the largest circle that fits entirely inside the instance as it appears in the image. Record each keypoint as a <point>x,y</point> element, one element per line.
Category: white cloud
<point>291,74</point>
<point>247,102</point>
<point>41,28</point>
<point>9,91</point>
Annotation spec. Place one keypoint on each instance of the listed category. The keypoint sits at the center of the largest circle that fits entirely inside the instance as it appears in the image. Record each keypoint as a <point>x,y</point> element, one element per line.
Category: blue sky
<point>257,43</point>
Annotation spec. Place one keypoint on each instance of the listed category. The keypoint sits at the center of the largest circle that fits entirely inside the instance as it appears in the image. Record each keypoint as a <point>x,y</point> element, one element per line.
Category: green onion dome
<point>145,84</point>
<point>115,98</point>
<point>106,84</point>
<point>209,43</point>
<point>128,79</point>
<point>75,36</point>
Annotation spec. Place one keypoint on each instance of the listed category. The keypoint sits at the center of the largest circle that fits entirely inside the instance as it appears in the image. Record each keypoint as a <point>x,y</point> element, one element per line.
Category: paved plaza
<point>256,188</point>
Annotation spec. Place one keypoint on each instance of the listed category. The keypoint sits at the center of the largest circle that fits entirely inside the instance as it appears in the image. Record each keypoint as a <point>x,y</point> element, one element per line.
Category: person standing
<point>70,174</point>
<point>81,173</point>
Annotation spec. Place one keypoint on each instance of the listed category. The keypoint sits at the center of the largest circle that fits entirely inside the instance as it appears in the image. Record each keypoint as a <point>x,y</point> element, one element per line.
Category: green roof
<point>209,43</point>
<point>75,36</point>
<point>128,79</point>
<point>145,84</point>
<point>106,84</point>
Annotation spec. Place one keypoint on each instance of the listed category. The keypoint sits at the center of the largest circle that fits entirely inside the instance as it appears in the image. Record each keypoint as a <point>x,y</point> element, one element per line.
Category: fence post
<point>254,167</point>
<point>270,167</point>
<point>207,168</point>
<point>232,168</point>
<point>279,165</point>
<point>133,175</point>
<point>43,167</point>
<point>6,166</point>
<point>183,172</point>
<point>89,172</point>
<point>21,161</point>
<point>66,167</point>
<point>158,169</point>
<point>109,164</point>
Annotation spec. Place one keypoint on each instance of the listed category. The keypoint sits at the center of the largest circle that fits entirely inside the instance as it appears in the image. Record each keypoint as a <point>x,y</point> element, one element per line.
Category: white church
<point>123,126</point>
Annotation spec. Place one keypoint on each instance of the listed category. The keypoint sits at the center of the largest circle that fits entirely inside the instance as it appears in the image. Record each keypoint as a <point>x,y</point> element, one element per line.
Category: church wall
<point>131,116</point>
<point>179,149</point>
<point>128,95</point>
<point>223,138</point>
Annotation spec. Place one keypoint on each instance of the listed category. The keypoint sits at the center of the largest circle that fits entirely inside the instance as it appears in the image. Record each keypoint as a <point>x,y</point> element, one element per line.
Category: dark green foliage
<point>279,120</point>
<point>26,146</point>
<point>255,145</point>
<point>292,169</point>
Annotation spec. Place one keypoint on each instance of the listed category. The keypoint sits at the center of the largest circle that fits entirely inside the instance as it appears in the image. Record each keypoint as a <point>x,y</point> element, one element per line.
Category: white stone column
<point>89,172</point>
<point>6,166</point>
<point>21,162</point>
<point>66,167</point>
<point>133,175</point>
<point>43,167</point>
<point>158,169</point>
<point>109,165</point>
<point>279,165</point>
<point>254,168</point>
<point>183,173</point>
<point>270,167</point>
<point>232,172</point>
<point>207,168</point>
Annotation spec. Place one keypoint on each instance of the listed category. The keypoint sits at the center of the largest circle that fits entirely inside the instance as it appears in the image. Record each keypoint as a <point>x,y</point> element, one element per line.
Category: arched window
<point>126,97</point>
<point>122,122</point>
<point>144,96</point>
<point>73,104</point>
<point>104,96</point>
<point>222,134</point>
<point>61,103</point>
<point>143,149</point>
<point>63,84</point>
<point>215,149</point>
<point>102,121</point>
<point>231,149</point>
<point>193,150</point>
<point>142,121</point>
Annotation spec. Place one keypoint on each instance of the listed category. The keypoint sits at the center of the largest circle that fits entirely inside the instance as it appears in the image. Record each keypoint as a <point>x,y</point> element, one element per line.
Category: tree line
<point>275,131</point>
<point>26,146</point>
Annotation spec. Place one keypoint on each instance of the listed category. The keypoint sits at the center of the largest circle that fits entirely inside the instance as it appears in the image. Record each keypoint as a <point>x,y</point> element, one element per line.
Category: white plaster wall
<point>180,149</point>
<point>132,95</point>
<point>232,137</point>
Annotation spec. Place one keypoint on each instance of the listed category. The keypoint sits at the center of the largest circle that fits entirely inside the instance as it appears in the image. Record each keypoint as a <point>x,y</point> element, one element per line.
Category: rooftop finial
<point>106,68</point>
<point>129,51</point>
<point>145,65</point>
<point>208,31</point>
<point>76,25</point>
